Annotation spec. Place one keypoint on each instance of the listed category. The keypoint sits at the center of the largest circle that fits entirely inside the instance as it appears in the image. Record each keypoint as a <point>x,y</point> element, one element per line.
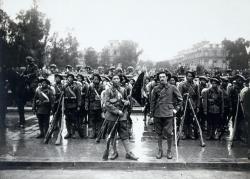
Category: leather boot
<point>68,135</point>
<point>160,151</point>
<point>169,153</point>
<point>114,154</point>
<point>129,154</point>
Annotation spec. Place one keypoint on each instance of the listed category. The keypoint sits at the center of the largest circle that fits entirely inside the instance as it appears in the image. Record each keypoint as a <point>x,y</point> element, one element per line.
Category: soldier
<point>82,118</point>
<point>203,80</point>
<point>69,69</point>
<point>224,123</point>
<point>72,105</point>
<point>94,107</point>
<point>234,92</point>
<point>116,105</point>
<point>42,105</point>
<point>161,108</point>
<point>190,88</point>
<point>51,76</point>
<point>213,107</point>
<point>100,70</point>
<point>58,87</point>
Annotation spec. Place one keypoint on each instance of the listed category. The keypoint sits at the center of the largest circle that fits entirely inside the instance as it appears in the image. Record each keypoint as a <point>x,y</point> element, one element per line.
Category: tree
<point>105,58</point>
<point>128,54</point>
<point>32,34</point>
<point>237,55</point>
<point>64,52</point>
<point>91,57</point>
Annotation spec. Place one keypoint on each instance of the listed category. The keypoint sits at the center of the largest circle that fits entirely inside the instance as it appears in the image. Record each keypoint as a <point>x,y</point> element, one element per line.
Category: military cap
<point>215,79</point>
<point>69,66</point>
<point>87,67</point>
<point>191,72</point>
<point>203,78</point>
<point>112,68</point>
<point>44,79</point>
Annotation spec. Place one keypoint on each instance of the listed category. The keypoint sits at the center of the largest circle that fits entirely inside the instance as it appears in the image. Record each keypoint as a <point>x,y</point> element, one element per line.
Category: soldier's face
<point>214,84</point>
<point>163,78</point>
<point>58,79</point>
<point>79,79</point>
<point>44,84</point>
<point>172,81</point>
<point>116,80</point>
<point>189,77</point>
<point>96,80</point>
<point>203,82</point>
<point>70,79</point>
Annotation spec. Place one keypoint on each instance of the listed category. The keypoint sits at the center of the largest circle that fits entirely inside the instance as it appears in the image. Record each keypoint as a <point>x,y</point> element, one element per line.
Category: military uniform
<point>213,107</point>
<point>72,101</point>
<point>163,98</point>
<point>94,107</point>
<point>3,98</point>
<point>192,90</point>
<point>43,104</point>
<point>58,87</point>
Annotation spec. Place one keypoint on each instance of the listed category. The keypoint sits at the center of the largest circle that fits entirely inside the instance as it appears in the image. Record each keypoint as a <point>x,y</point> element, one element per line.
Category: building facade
<point>211,56</point>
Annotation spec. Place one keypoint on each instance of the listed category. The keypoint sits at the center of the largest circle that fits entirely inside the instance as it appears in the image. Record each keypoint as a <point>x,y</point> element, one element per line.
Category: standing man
<point>161,108</point>
<point>42,105</point>
<point>116,106</point>
<point>189,88</point>
<point>3,96</point>
<point>213,107</point>
<point>72,100</point>
<point>94,107</point>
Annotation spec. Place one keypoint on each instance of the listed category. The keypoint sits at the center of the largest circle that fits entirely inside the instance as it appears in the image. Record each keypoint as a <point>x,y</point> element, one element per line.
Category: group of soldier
<point>104,102</point>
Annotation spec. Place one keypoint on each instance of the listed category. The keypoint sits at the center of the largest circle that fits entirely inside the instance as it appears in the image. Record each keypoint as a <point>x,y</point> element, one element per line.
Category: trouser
<point>3,110</point>
<point>202,119</point>
<point>95,121</point>
<point>214,121</point>
<point>21,113</point>
<point>71,117</point>
<point>43,121</point>
<point>188,126</point>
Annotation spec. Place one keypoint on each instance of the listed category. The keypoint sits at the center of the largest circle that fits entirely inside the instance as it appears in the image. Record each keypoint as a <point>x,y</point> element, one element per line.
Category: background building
<point>211,56</point>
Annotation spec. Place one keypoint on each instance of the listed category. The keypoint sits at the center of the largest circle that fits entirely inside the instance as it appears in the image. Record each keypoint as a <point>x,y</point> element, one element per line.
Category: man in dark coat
<point>163,98</point>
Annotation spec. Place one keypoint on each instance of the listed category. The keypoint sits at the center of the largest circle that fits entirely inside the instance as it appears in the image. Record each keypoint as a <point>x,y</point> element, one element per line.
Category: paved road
<point>118,174</point>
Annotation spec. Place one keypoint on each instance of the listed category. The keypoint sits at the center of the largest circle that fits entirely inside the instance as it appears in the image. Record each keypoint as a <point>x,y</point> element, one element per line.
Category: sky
<point>160,27</point>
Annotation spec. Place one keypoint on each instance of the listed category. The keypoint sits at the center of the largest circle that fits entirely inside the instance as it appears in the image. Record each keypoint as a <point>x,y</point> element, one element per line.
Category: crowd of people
<point>104,101</point>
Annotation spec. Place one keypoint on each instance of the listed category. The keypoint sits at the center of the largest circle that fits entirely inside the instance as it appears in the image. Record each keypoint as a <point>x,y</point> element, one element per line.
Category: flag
<point>137,88</point>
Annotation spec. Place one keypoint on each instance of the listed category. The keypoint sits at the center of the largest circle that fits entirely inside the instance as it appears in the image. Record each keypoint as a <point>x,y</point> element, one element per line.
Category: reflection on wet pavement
<point>21,144</point>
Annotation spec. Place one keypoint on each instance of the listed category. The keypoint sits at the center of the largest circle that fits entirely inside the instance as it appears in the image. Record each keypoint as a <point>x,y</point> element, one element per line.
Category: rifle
<point>59,135</point>
<point>106,152</point>
<point>53,123</point>
<point>235,121</point>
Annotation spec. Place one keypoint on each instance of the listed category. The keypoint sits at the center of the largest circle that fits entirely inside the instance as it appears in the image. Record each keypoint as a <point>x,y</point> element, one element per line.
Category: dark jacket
<point>162,100</point>
<point>72,96</point>
<point>213,101</point>
<point>43,100</point>
<point>93,99</point>
<point>114,101</point>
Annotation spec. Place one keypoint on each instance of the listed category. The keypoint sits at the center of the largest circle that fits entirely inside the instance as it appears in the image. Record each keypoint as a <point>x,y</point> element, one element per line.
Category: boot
<point>129,154</point>
<point>169,153</point>
<point>68,135</point>
<point>160,151</point>
<point>41,135</point>
<point>73,133</point>
<point>114,154</point>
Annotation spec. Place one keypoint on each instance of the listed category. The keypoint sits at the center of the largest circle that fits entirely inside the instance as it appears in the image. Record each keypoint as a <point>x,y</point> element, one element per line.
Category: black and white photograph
<point>118,89</point>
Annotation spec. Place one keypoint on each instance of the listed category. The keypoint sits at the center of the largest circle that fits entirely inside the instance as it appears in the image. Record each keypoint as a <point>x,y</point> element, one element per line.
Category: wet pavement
<point>20,149</point>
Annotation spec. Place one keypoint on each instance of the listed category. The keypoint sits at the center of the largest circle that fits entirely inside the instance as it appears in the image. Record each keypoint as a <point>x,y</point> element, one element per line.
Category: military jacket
<point>93,99</point>
<point>163,99</point>
<point>213,101</point>
<point>43,100</point>
<point>114,101</point>
<point>72,96</point>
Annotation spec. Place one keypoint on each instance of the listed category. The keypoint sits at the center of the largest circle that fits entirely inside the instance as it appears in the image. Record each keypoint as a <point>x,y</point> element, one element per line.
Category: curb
<point>113,165</point>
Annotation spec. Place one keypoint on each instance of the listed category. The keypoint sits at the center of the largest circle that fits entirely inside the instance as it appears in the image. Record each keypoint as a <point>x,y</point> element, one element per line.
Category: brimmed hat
<point>59,75</point>
<point>71,74</point>
<point>224,79</point>
<point>203,78</point>
<point>53,66</point>
<point>215,79</point>
<point>30,59</point>
<point>240,76</point>
<point>98,76</point>
<point>192,72</point>
<point>44,79</point>
<point>69,66</point>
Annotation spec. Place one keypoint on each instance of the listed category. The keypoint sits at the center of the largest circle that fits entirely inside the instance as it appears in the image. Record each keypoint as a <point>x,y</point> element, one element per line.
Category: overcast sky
<point>160,27</point>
